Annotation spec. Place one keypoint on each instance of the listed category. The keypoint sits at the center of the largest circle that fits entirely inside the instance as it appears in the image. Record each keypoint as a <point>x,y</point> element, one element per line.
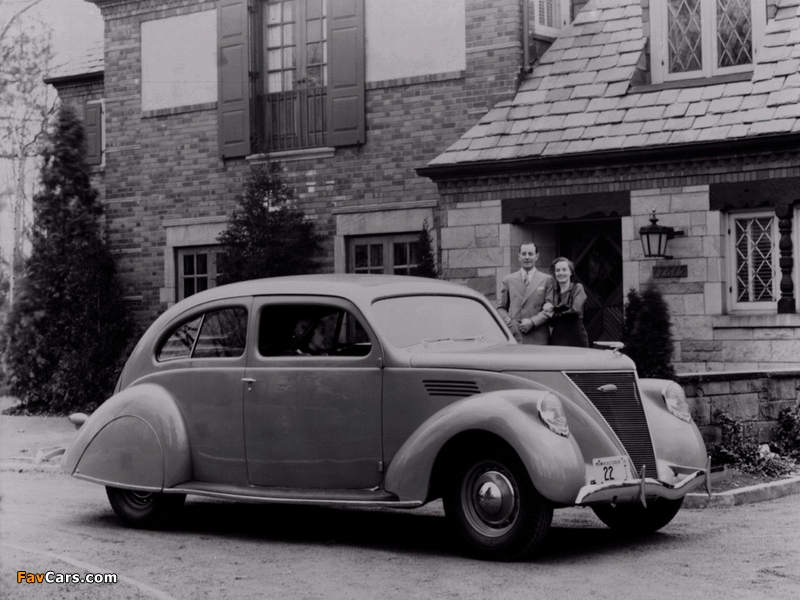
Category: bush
<point>265,237</point>
<point>68,326</point>
<point>426,264</point>
<point>646,334</point>
<point>741,449</point>
<point>787,436</point>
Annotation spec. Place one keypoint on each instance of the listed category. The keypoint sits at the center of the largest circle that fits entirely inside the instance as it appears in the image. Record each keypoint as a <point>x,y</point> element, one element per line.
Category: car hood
<point>518,357</point>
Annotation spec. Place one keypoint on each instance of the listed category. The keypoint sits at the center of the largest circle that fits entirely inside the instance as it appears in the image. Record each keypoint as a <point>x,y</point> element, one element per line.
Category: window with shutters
<point>294,70</point>
<point>704,38</point>
<point>291,75</point>
<point>383,254</point>
<point>93,122</point>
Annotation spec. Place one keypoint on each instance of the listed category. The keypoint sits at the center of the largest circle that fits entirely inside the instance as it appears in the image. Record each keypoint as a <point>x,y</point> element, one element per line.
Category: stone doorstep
<point>745,495</point>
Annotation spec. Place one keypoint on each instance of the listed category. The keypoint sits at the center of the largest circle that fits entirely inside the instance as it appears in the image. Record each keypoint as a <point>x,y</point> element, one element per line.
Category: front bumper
<point>637,490</point>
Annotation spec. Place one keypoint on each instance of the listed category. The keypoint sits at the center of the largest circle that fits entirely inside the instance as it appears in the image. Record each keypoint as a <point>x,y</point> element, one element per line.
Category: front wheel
<point>495,509</point>
<point>144,510</point>
<point>635,518</point>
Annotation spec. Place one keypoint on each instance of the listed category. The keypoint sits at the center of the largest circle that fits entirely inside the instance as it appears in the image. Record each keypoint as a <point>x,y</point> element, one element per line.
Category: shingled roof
<point>88,62</point>
<point>580,96</point>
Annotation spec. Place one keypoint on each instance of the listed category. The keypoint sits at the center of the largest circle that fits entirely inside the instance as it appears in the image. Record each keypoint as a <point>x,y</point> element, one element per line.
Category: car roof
<point>361,289</point>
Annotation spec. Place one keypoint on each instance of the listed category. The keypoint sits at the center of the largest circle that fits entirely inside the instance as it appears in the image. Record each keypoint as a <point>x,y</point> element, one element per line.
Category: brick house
<point>462,113</point>
<point>349,95</point>
<point>653,105</point>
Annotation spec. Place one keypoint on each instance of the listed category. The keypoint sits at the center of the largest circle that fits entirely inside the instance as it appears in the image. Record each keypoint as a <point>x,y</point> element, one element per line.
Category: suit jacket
<point>517,303</point>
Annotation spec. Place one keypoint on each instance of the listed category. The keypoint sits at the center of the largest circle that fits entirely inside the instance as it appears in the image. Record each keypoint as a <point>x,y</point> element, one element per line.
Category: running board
<point>266,495</point>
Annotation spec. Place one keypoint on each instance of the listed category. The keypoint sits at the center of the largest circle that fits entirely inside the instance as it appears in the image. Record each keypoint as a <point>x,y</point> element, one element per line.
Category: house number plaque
<point>670,271</point>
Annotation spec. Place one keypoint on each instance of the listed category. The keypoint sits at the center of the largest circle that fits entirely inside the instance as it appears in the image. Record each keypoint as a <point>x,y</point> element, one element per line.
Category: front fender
<point>554,463</point>
<point>135,439</point>
<point>676,442</point>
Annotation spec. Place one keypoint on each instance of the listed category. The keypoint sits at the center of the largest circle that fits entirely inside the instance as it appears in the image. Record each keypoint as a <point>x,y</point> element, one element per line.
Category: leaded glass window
<point>685,36</point>
<point>704,38</point>
<point>755,256</point>
<point>734,33</point>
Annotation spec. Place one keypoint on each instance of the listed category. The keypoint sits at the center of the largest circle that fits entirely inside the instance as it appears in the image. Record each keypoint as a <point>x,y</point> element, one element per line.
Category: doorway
<point>596,249</point>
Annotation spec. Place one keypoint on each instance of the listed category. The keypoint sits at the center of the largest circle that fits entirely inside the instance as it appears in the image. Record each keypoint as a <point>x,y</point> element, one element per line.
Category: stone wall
<point>755,398</point>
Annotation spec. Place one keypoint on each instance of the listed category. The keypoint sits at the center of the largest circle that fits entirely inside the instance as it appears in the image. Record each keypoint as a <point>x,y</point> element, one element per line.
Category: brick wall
<point>164,168</point>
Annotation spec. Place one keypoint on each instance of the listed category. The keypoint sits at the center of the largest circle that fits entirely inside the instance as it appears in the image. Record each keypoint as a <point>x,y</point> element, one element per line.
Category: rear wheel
<point>495,509</point>
<point>636,519</point>
<point>144,510</point>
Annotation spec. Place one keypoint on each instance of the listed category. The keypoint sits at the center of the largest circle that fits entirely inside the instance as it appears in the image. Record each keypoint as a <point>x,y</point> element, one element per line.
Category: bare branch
<point>16,16</point>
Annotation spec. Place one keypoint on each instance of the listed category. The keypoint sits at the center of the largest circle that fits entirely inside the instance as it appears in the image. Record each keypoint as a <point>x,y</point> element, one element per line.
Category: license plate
<point>612,469</point>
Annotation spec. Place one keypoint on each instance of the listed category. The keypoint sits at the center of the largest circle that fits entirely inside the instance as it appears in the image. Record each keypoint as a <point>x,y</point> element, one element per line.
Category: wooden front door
<point>596,249</point>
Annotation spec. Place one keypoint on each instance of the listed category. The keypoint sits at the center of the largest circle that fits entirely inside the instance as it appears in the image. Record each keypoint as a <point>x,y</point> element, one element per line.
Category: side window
<point>223,334</point>
<point>310,330</point>
<point>216,334</point>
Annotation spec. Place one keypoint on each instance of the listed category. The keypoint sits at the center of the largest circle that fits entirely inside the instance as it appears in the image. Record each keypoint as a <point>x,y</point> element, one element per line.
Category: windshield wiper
<point>477,338</point>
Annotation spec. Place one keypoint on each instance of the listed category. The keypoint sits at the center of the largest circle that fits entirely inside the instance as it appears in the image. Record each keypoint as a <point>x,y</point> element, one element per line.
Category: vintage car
<point>385,391</point>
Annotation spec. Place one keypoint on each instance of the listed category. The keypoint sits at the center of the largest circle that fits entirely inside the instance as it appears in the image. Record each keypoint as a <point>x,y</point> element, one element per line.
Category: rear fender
<point>554,463</point>
<point>135,439</point>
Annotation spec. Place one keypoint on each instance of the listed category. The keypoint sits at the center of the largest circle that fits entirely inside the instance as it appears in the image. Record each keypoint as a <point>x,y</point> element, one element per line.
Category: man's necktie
<point>525,278</point>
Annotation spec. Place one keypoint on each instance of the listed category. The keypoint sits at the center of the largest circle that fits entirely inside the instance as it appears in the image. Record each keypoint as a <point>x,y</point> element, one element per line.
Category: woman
<point>564,302</point>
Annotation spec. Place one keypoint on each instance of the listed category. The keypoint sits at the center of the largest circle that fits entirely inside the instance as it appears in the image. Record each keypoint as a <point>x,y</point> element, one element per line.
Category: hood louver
<point>452,389</point>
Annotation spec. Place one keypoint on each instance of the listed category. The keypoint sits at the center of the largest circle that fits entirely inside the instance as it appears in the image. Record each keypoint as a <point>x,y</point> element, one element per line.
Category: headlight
<point>551,412</point>
<point>675,400</point>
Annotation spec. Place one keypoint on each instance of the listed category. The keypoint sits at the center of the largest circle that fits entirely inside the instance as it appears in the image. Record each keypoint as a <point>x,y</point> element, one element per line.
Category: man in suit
<point>522,298</point>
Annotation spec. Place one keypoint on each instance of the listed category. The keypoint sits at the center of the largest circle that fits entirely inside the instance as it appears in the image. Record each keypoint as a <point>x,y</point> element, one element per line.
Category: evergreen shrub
<point>66,332</point>
<point>646,334</point>
<point>426,263</point>
<point>266,236</point>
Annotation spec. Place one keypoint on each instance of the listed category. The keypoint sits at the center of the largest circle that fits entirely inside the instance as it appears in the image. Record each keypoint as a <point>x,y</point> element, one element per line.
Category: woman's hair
<point>570,264</point>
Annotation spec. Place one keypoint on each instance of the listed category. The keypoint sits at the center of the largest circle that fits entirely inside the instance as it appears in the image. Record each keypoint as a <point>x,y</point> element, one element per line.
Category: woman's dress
<point>567,319</point>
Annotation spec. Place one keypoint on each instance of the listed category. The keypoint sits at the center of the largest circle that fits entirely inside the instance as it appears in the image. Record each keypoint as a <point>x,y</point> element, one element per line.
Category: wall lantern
<point>655,237</point>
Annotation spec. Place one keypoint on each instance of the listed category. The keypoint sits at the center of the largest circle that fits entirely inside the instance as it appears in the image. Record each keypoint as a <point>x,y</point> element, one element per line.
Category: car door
<point>201,361</point>
<point>313,417</point>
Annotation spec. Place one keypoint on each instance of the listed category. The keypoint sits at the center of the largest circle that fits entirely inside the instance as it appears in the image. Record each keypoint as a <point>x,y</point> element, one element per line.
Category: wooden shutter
<point>233,78</point>
<point>346,110</point>
<point>93,125</point>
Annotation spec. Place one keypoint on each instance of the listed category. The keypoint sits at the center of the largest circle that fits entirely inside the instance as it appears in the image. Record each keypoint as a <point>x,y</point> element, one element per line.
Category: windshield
<point>411,320</point>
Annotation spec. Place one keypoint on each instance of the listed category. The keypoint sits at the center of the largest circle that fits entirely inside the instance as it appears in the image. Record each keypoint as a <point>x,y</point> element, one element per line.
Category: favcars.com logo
<point>53,577</point>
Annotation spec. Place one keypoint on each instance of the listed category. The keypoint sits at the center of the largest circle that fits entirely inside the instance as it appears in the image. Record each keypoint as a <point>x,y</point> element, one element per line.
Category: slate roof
<point>88,61</point>
<point>579,97</point>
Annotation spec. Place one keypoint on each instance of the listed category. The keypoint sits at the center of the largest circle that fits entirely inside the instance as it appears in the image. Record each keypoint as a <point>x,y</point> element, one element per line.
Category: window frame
<point>735,305</point>
<point>388,242</point>
<point>538,28</point>
<point>212,252</point>
<point>659,45</point>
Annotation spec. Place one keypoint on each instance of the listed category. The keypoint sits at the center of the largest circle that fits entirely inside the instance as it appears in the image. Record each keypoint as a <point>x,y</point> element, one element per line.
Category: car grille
<point>453,389</point>
<point>623,411</point>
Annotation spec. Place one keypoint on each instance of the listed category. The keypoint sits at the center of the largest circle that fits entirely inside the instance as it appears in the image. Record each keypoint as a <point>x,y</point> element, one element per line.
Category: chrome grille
<point>453,389</point>
<point>622,409</point>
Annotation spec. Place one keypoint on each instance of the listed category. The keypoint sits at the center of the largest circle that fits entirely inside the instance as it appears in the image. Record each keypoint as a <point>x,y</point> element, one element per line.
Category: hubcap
<point>491,502</point>
<point>140,499</point>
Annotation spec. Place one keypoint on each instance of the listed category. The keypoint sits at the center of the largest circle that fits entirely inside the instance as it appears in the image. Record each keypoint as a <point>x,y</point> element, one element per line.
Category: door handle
<point>248,380</point>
